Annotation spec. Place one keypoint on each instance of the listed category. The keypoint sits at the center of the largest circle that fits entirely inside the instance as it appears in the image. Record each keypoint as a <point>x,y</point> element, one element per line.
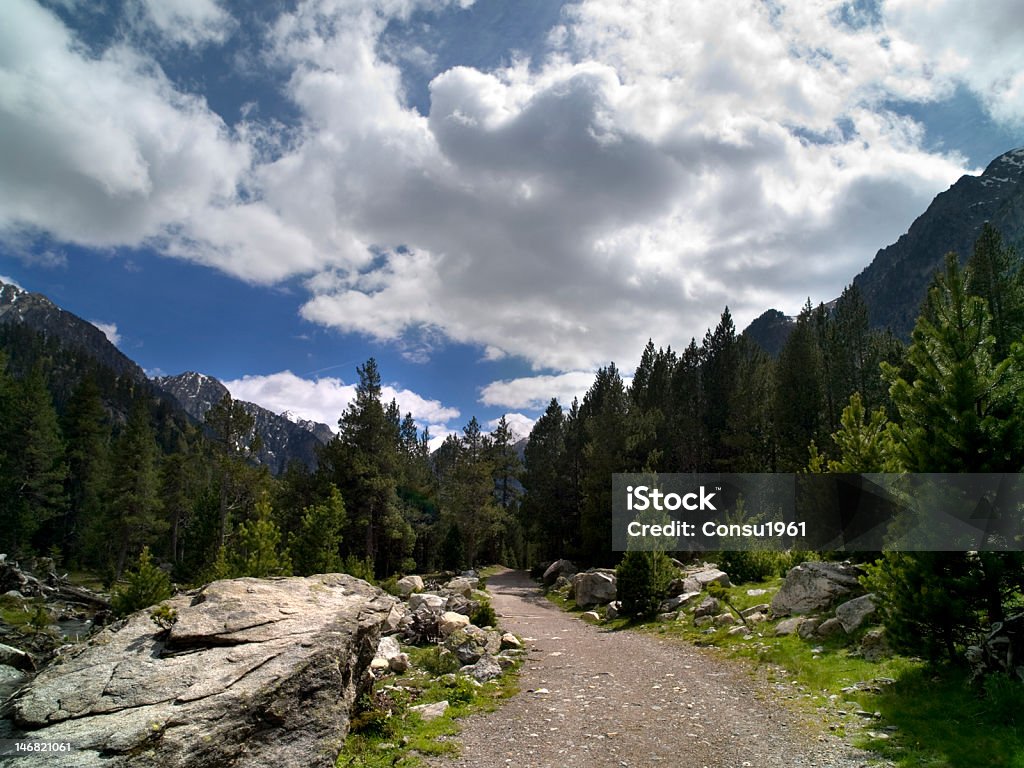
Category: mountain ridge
<point>283,438</point>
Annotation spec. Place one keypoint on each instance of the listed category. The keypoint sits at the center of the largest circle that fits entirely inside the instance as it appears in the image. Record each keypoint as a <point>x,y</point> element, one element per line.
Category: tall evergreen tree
<point>799,406</point>
<point>36,467</point>
<point>604,413</point>
<point>543,506</point>
<point>87,434</point>
<point>133,510</point>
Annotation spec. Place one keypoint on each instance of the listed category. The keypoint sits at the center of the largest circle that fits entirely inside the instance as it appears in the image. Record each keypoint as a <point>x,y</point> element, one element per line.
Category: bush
<point>752,565</point>
<point>643,578</point>
<point>439,661</point>
<point>484,616</point>
<point>145,586</point>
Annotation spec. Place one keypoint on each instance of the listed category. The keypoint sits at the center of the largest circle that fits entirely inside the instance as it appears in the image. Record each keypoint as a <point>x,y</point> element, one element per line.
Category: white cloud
<point>110,331</point>
<point>324,400</point>
<point>666,160</point>
<point>189,22</point>
<point>981,47</point>
<point>11,281</point>
<point>520,424</point>
<point>535,392</point>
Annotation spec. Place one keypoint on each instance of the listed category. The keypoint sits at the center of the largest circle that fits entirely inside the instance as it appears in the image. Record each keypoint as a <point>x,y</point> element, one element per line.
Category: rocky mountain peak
<point>896,281</point>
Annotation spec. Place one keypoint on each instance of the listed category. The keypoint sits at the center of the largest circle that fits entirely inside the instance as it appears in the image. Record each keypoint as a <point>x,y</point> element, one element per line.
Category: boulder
<point>789,626</point>
<point>469,644</point>
<point>254,672</point>
<point>709,606</point>
<point>13,657</point>
<point>508,640</point>
<point>407,585</point>
<point>432,603</point>
<point>725,620</point>
<point>668,617</point>
<point>594,588</point>
<point>591,615</point>
<point>558,568</point>
<point>393,621</point>
<point>740,631</point>
<point>808,628</point>
<point>811,587</point>
<point>829,627</point>
<point>486,668</point>
<point>874,645</point>
<point>853,613</point>
<point>450,622</point>
<point>461,586</point>
<point>682,585</point>
<point>711,576</point>
<point>677,602</point>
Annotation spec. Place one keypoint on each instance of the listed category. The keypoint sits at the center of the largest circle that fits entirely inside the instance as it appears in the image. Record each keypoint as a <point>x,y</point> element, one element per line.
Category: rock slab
<point>811,587</point>
<point>255,672</point>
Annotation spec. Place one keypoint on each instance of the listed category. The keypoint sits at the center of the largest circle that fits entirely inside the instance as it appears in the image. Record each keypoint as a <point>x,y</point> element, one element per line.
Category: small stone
<point>430,712</point>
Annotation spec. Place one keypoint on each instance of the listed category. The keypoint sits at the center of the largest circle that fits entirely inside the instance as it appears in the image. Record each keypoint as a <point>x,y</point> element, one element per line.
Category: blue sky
<point>491,198</point>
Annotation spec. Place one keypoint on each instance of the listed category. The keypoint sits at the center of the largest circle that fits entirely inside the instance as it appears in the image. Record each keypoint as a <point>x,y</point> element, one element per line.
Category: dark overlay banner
<point>822,512</point>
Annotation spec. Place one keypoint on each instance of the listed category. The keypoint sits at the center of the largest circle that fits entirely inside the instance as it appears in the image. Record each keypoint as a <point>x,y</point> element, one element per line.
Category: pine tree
<point>257,549</point>
<point>543,508</point>
<point>145,586</point>
<point>642,578</point>
<point>994,275</point>
<point>36,468</point>
<point>959,411</point>
<point>133,510</point>
<point>362,462</point>
<point>316,547</point>
<point>604,413</point>
<point>87,435</point>
<point>799,407</point>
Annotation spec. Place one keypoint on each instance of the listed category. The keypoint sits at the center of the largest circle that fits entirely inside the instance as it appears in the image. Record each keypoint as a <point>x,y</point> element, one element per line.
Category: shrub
<point>484,616</point>
<point>643,578</point>
<point>145,586</point>
<point>751,565</point>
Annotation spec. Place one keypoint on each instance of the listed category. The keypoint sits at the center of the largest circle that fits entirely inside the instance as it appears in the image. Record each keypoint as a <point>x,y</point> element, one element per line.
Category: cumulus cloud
<point>324,400</point>
<point>665,159</point>
<point>520,424</point>
<point>110,331</point>
<point>980,48</point>
<point>189,22</point>
<point>535,392</point>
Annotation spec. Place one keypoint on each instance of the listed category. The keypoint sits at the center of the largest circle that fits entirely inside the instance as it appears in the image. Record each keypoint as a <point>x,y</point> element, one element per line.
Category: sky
<point>491,198</point>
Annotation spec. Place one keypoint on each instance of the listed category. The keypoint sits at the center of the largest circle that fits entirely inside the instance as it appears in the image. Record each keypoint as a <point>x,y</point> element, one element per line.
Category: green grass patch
<point>386,733</point>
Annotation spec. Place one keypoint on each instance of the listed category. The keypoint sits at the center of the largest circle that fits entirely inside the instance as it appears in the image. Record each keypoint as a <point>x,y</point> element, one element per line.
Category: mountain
<point>897,280</point>
<point>770,331</point>
<point>283,437</point>
<point>35,311</point>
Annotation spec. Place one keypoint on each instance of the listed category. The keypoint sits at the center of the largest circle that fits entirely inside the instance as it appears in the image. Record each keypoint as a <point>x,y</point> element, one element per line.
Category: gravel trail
<point>594,698</point>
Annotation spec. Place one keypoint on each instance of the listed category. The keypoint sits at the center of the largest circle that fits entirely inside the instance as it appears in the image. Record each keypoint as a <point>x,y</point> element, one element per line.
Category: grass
<point>386,733</point>
<point>929,717</point>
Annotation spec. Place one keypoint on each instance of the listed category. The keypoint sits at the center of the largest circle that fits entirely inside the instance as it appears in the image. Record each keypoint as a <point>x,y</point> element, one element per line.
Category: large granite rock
<point>255,672</point>
<point>594,588</point>
<point>558,568</point>
<point>812,587</point>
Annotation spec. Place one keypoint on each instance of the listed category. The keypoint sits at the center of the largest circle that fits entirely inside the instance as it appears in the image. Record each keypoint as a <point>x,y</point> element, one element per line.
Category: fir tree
<point>316,547</point>
<point>133,510</point>
<point>145,586</point>
<point>257,549</point>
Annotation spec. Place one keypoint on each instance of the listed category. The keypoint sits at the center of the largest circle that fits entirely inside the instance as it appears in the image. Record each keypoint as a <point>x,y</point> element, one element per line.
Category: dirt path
<point>594,698</point>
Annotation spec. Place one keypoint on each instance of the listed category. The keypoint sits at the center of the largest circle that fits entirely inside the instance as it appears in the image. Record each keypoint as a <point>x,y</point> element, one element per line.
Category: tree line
<point>96,470</point>
<point>840,397</point>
